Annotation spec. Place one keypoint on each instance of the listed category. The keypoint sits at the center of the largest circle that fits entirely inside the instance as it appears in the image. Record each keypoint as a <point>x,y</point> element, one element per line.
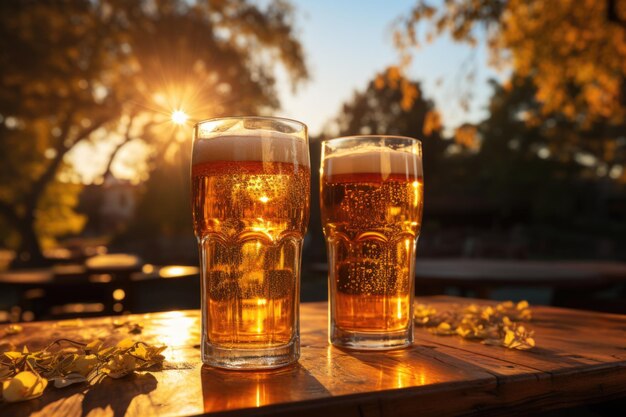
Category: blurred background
<point>520,105</point>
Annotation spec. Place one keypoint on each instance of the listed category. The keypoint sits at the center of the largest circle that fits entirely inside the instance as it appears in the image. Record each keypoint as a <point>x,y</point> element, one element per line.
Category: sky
<point>348,42</point>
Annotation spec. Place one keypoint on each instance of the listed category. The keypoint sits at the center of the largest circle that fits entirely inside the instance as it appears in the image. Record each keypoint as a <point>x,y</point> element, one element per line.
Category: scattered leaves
<point>501,325</point>
<point>24,375</point>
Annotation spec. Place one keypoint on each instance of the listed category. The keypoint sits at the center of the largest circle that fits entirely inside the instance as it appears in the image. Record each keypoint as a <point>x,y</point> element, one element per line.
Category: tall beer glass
<point>251,184</point>
<point>371,202</point>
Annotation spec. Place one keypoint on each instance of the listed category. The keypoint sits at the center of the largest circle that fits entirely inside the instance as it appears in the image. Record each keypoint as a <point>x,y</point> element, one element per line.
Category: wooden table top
<point>580,358</point>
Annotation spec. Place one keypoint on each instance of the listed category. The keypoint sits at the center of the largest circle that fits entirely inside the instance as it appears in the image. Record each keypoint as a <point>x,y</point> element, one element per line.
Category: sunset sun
<point>179,117</point>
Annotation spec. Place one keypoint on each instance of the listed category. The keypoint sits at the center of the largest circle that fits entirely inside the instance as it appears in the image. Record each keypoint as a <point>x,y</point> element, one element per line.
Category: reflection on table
<point>579,359</point>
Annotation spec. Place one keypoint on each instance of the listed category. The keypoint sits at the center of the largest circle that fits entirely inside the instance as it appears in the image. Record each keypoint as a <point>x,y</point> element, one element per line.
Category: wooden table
<point>580,358</point>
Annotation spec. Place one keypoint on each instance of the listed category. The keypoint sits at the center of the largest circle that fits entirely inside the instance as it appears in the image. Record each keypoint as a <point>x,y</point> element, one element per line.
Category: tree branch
<point>9,211</point>
<point>62,149</point>
<point>119,146</point>
<point>612,15</point>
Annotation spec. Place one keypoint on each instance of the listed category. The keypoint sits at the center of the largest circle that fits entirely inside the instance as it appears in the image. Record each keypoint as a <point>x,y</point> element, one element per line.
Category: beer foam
<point>263,146</point>
<point>373,159</point>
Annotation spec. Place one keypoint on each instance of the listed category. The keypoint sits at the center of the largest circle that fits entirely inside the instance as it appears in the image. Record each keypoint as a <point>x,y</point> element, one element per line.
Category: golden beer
<point>371,200</point>
<point>250,209</point>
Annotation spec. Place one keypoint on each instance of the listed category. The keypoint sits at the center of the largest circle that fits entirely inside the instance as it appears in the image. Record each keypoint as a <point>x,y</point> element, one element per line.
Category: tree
<point>515,166</point>
<point>161,230</point>
<point>382,108</point>
<point>87,71</point>
<point>573,52</point>
<point>391,104</point>
<point>513,129</point>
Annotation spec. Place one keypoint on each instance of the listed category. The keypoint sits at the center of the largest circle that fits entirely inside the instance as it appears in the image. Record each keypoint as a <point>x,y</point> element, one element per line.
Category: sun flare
<point>179,117</point>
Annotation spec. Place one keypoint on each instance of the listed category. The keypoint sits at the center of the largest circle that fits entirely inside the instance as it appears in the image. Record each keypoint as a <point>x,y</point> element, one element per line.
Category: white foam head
<point>373,159</point>
<point>258,146</point>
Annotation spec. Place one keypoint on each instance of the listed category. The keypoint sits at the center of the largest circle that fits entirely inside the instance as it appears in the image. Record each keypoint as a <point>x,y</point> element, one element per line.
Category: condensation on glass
<point>250,186</point>
<point>371,204</point>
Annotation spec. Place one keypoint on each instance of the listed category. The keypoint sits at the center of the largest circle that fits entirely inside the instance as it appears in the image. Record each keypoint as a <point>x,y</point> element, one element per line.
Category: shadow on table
<point>117,394</point>
<point>227,390</point>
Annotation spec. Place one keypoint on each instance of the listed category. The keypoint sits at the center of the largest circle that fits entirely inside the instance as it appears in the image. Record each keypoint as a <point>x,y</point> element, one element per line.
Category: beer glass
<point>250,186</point>
<point>371,204</point>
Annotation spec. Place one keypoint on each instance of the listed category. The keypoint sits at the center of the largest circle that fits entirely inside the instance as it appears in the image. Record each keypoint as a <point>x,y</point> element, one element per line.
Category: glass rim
<point>276,118</point>
<point>374,137</point>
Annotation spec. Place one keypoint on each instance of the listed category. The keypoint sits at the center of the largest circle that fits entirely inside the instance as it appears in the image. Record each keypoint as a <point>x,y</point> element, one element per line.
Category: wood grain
<point>581,358</point>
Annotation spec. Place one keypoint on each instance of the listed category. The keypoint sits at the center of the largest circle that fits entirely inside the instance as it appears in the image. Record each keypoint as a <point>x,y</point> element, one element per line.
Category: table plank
<point>581,358</point>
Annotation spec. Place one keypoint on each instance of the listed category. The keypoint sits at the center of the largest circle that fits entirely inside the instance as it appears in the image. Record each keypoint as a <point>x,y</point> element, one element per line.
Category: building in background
<point>109,206</point>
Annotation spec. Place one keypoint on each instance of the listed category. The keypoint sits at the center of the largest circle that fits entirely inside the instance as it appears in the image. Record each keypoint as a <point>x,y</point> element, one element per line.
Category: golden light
<point>119,294</point>
<point>177,330</point>
<point>175,271</point>
<point>179,117</point>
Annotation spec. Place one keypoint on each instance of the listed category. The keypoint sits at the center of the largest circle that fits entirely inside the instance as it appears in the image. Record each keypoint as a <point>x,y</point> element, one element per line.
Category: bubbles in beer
<point>371,212</point>
<point>250,218</point>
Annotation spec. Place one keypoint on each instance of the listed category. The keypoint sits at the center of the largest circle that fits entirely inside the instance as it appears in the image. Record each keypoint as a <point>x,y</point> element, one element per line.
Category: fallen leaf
<point>23,386</point>
<point>67,380</point>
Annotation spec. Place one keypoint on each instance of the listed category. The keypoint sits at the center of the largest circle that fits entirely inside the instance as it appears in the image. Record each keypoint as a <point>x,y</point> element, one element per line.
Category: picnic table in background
<point>568,279</point>
<point>103,284</point>
<point>580,358</point>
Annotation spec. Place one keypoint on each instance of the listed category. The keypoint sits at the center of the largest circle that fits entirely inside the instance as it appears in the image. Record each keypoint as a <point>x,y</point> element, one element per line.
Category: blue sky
<point>348,41</point>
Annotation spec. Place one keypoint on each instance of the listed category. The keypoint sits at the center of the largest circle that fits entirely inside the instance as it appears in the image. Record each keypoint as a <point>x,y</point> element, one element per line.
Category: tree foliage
<point>391,104</point>
<point>515,165</point>
<point>382,109</point>
<point>599,151</point>
<point>574,52</point>
<point>87,71</point>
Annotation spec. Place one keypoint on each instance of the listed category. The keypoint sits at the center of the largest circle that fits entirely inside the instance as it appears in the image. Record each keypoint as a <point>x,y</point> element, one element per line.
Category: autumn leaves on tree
<point>572,52</point>
<point>86,71</point>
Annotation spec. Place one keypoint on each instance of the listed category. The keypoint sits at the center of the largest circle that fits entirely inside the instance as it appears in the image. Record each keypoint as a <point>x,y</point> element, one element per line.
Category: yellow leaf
<point>119,366</point>
<point>462,331</point>
<point>93,346</point>
<point>443,326</point>
<point>509,337</point>
<point>14,355</point>
<point>24,386</point>
<point>141,352</point>
<point>84,364</point>
<point>106,351</point>
<point>125,344</point>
